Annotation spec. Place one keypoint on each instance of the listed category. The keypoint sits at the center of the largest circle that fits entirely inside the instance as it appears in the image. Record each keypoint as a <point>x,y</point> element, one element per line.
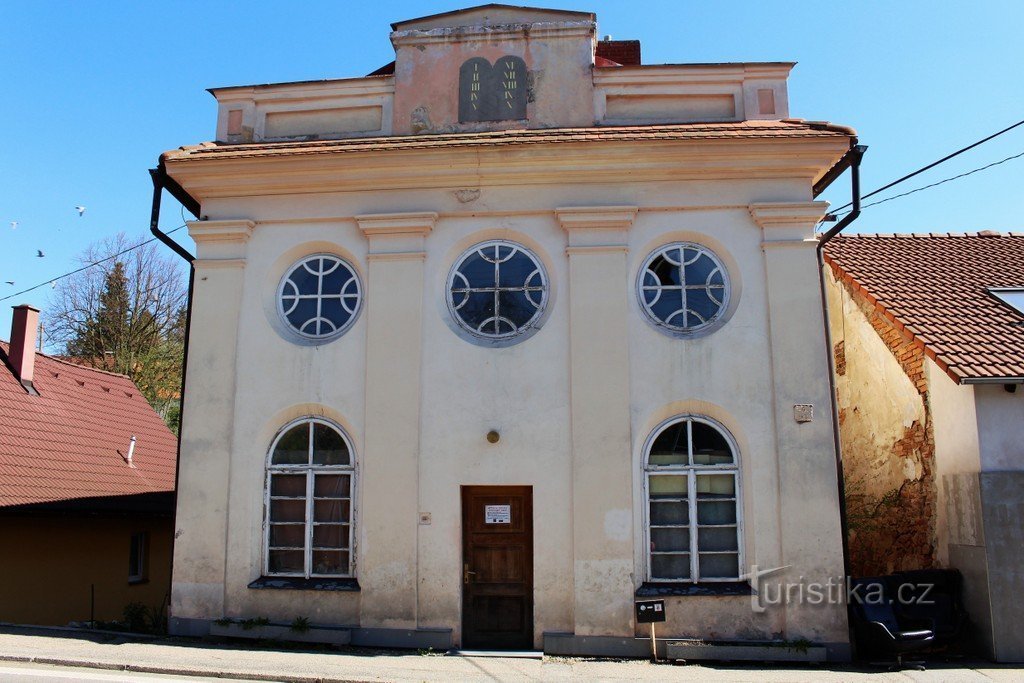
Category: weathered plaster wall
<point>525,392</point>
<point>956,453</point>
<point>1000,427</point>
<point>559,84</point>
<point>1002,497</point>
<point>886,435</point>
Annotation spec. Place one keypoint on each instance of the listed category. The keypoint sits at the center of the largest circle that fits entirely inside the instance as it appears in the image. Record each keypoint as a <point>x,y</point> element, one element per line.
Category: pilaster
<point>208,416</point>
<point>602,505</point>
<point>810,530</point>
<point>389,501</point>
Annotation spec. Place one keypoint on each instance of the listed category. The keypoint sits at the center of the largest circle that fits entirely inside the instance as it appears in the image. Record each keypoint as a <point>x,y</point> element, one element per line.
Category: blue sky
<point>92,92</point>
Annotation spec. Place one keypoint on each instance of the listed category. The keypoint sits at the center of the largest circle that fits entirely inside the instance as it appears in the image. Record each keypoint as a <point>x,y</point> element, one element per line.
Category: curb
<point>147,669</point>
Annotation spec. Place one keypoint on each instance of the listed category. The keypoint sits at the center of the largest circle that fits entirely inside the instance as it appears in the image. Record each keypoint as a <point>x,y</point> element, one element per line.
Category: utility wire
<point>88,265</point>
<point>956,177</point>
<point>931,165</point>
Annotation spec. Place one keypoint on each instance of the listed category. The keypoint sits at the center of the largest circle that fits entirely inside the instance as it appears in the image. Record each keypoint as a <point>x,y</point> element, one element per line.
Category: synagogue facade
<point>503,337</point>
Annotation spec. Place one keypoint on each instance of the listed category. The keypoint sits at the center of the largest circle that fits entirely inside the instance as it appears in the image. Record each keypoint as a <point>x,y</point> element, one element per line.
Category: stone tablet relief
<point>492,92</point>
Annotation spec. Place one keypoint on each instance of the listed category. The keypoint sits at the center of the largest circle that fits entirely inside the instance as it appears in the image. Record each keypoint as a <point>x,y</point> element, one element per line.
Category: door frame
<point>497,489</point>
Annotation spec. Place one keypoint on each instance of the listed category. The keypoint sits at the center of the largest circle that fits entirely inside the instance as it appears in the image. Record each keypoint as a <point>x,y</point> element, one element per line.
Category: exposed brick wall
<point>624,52</point>
<point>892,530</point>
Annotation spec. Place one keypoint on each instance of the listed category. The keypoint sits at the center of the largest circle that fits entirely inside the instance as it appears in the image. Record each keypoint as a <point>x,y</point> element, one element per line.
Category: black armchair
<point>907,612</point>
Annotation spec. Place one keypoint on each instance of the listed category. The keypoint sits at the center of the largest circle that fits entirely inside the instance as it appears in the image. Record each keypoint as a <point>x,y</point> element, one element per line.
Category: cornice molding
<point>396,256</point>
<point>501,165</point>
<point>596,217</point>
<point>787,214</point>
<point>596,228</point>
<point>394,224</point>
<point>597,249</point>
<point>397,236</point>
<point>232,230</point>
<point>208,263</point>
<point>462,34</point>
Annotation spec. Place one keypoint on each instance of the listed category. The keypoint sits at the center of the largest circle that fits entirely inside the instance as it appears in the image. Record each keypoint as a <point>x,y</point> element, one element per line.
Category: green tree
<point>126,315</point>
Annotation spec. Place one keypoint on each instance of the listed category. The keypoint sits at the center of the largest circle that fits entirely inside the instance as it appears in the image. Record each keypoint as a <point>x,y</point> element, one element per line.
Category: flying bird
<point>80,210</point>
<point>39,253</point>
<point>53,284</point>
<point>14,225</point>
<point>10,282</point>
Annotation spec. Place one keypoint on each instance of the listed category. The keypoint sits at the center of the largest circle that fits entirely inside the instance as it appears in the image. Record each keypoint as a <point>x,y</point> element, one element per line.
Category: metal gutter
<point>992,380</point>
<point>162,181</point>
<point>851,160</point>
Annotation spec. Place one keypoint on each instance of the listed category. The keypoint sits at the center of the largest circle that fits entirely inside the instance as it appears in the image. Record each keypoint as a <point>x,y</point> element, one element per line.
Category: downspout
<point>162,181</point>
<point>852,161</point>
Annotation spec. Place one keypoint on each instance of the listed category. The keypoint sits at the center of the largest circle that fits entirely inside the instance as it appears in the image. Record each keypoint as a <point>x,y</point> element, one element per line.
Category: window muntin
<point>320,296</point>
<point>684,287</point>
<point>497,290</point>
<point>310,475</point>
<point>694,527</point>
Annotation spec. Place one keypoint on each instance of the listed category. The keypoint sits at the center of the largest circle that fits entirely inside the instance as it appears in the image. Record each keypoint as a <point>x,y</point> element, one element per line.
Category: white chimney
<point>22,352</point>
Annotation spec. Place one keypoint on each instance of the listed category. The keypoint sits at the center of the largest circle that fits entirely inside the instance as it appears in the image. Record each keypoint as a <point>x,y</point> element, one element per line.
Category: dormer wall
<point>501,68</point>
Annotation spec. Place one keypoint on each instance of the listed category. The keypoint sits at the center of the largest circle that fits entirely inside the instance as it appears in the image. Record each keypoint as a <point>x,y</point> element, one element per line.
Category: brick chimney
<point>22,351</point>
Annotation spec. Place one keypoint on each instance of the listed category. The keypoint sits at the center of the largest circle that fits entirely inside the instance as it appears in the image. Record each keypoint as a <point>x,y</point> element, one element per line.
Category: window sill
<point>136,582</point>
<point>315,584</point>
<point>709,588</point>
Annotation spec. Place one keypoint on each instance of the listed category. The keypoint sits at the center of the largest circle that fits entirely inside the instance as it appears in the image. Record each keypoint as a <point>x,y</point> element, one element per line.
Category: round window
<point>320,296</point>
<point>497,290</point>
<point>683,287</point>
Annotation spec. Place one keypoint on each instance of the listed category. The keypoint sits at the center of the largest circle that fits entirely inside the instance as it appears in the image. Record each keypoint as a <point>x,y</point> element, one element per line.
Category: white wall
<point>523,391</point>
<point>1000,427</point>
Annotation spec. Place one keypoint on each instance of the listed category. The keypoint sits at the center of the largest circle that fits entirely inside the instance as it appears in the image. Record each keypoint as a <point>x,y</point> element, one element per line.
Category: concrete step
<point>750,651</point>
<point>331,635</point>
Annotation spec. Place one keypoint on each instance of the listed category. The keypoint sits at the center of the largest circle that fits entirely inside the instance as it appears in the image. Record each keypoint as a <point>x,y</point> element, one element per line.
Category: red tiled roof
<point>66,443</point>
<point>935,288</point>
<point>741,130</point>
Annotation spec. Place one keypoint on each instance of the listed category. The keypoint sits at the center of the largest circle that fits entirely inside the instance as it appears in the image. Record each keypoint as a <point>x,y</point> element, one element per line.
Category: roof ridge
<point>84,367</point>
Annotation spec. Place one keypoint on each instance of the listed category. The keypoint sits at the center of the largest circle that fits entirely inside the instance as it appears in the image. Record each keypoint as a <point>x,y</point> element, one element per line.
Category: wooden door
<point>497,567</point>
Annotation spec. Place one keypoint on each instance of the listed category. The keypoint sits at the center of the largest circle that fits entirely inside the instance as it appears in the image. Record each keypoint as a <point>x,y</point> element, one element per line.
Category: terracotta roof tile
<point>67,442</point>
<point>936,287</point>
<point>789,129</point>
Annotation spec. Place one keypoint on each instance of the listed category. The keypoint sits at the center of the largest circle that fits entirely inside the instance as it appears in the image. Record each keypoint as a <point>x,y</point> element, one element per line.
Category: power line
<point>941,182</point>
<point>88,265</point>
<point>931,165</point>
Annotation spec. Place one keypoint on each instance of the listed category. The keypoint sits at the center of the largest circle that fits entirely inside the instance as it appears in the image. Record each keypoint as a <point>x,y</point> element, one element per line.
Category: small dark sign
<point>650,611</point>
<point>492,92</point>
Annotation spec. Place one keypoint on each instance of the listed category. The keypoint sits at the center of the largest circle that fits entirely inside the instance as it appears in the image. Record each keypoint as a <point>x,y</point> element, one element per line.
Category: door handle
<point>466,573</point>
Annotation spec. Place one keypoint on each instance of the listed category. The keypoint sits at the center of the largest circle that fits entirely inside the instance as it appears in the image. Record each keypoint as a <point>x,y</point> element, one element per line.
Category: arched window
<point>310,473</point>
<point>694,527</point>
<point>319,297</point>
<point>497,290</point>
<point>683,288</point>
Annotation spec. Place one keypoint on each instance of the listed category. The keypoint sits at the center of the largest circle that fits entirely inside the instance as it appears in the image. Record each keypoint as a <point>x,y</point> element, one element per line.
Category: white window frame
<point>532,324</point>
<point>691,330</point>
<point>319,296</point>
<point>691,472</point>
<point>310,471</point>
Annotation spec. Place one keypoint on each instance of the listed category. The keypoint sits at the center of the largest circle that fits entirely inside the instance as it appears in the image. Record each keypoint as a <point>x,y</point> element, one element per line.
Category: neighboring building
<point>85,529</point>
<point>929,347</point>
<point>494,340</point>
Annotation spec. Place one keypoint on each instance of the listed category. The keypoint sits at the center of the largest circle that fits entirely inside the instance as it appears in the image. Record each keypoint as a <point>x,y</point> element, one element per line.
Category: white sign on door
<point>497,514</point>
